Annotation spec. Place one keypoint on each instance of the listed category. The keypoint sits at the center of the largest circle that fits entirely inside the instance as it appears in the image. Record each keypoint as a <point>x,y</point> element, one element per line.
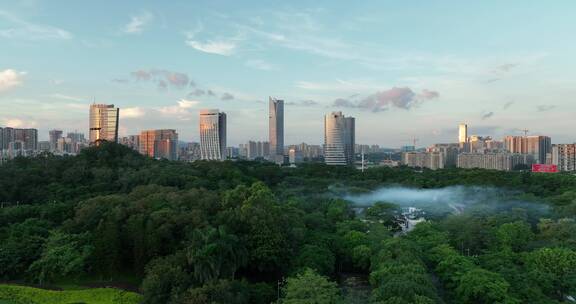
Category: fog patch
<point>453,199</point>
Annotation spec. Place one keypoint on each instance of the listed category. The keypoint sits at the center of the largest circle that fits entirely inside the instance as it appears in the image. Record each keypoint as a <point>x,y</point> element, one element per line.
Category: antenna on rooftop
<point>525,132</point>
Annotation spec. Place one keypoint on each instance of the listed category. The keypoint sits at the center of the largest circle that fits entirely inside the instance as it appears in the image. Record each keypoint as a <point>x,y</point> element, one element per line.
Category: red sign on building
<point>544,168</point>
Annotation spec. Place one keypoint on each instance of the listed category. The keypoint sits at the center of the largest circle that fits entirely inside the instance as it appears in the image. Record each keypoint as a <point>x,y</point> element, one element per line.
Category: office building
<point>494,161</point>
<point>159,144</point>
<point>339,139</point>
<point>430,160</point>
<point>276,129</point>
<point>564,156</point>
<point>104,121</point>
<point>54,135</point>
<point>212,134</point>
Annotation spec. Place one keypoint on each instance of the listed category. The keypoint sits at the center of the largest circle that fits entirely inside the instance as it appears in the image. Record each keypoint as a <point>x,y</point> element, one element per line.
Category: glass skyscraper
<point>103,123</point>
<point>339,139</point>
<point>212,134</point>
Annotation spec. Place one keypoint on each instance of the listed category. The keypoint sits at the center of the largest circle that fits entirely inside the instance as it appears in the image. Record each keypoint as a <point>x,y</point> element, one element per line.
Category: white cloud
<point>181,110</point>
<point>224,48</point>
<point>134,112</point>
<point>10,78</point>
<point>23,29</point>
<point>137,23</point>
<point>18,123</point>
<point>186,104</point>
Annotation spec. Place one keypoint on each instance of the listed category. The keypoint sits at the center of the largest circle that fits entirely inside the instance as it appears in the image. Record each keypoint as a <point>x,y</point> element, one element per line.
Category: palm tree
<point>213,254</point>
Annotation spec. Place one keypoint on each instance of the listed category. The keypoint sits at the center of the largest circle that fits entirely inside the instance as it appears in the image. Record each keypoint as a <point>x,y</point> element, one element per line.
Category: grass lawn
<point>11,294</point>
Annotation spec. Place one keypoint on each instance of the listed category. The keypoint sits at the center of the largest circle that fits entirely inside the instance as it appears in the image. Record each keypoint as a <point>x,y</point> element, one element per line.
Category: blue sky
<point>404,69</point>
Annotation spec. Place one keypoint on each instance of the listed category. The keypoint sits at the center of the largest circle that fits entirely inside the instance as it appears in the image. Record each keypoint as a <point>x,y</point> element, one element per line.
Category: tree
<point>309,287</point>
<point>514,236</point>
<point>165,278</point>
<point>481,286</point>
<point>214,254</point>
<point>63,255</point>
<point>385,213</point>
<point>555,267</point>
<point>318,258</point>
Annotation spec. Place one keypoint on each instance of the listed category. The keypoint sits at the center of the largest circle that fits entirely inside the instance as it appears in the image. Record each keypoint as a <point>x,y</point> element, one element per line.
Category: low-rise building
<point>494,161</point>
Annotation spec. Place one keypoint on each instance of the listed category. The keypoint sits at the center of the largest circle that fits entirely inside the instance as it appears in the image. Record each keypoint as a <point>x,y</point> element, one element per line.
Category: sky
<point>403,69</point>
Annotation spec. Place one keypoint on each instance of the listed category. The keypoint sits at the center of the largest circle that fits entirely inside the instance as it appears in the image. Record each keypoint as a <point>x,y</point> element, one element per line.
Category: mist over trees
<point>251,232</point>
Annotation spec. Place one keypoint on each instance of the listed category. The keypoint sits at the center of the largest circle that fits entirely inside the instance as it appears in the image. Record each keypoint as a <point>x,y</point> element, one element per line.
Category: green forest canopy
<point>253,232</point>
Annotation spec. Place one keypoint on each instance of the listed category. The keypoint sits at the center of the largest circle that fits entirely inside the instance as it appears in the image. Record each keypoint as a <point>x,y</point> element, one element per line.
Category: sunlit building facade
<point>160,144</point>
<point>104,121</point>
<point>540,147</point>
<point>212,134</point>
<point>339,139</point>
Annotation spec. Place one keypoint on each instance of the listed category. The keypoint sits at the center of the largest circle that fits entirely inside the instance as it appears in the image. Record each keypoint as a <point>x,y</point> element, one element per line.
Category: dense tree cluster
<point>252,232</point>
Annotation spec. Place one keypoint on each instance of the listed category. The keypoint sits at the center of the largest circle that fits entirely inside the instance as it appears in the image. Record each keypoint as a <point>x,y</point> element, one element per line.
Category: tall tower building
<point>212,134</point>
<point>276,129</point>
<point>103,123</point>
<point>54,136</point>
<point>462,133</point>
<point>159,143</point>
<point>339,139</point>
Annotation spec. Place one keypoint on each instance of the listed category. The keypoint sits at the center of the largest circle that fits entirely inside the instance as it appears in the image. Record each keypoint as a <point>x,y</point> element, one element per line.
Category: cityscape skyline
<point>400,82</point>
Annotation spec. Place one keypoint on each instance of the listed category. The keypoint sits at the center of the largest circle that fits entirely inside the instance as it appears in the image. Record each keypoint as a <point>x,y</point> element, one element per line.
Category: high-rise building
<point>295,155</point>
<point>212,134</point>
<point>564,156</point>
<point>27,139</point>
<point>104,121</point>
<point>54,135</point>
<point>276,129</point>
<point>538,146</point>
<point>310,152</point>
<point>257,149</point>
<point>339,139</point>
<point>449,153</point>
<point>462,133</point>
<point>159,144</point>
<point>65,145</point>
<point>515,144</point>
